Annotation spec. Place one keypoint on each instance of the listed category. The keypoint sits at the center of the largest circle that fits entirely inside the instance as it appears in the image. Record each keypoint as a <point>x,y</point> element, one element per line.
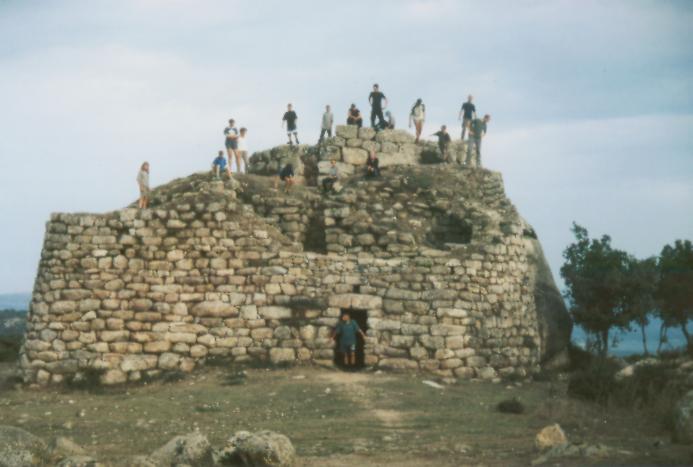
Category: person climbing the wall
<point>243,149</point>
<point>354,116</point>
<point>331,178</point>
<point>326,124</point>
<point>345,334</point>
<point>372,165</point>
<point>219,166</point>
<point>231,133</point>
<point>477,131</point>
<point>143,182</point>
<point>286,175</point>
<point>290,118</point>
<point>417,116</point>
<point>467,114</point>
<point>443,141</point>
<point>378,102</point>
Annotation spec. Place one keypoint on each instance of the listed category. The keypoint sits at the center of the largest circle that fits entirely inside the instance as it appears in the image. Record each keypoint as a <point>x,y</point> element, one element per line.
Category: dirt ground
<point>336,418</point>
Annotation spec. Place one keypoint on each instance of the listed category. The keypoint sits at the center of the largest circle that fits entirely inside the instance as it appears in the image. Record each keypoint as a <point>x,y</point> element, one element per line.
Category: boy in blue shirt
<point>346,331</point>
<point>219,165</point>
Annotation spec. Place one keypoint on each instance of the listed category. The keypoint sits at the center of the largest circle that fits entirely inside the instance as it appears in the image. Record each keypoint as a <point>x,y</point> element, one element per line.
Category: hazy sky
<point>592,101</point>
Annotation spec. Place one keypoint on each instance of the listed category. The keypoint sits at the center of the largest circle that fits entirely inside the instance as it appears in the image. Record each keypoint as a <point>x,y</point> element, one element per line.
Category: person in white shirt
<point>417,116</point>
<point>242,151</point>
<point>231,136</point>
<point>143,182</point>
<point>327,122</point>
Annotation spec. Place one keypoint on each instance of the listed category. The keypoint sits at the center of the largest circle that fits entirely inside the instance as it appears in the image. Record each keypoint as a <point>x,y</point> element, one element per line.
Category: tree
<point>675,291</point>
<point>640,287</point>
<point>595,275</point>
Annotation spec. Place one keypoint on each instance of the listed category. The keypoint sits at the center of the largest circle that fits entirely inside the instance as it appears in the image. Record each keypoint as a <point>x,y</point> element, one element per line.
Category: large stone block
<point>214,308</point>
<point>282,355</point>
<point>346,131</point>
<point>354,156</point>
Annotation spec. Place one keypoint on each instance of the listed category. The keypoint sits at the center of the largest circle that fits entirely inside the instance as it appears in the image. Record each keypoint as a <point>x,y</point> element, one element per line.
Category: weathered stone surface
<point>263,448</point>
<point>555,325</point>
<point>214,309</point>
<point>550,436</point>
<point>21,448</point>
<point>434,263</point>
<point>190,449</point>
<point>282,355</point>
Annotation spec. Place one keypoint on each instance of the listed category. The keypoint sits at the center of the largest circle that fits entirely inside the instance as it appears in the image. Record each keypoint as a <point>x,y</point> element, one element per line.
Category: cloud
<point>591,105</point>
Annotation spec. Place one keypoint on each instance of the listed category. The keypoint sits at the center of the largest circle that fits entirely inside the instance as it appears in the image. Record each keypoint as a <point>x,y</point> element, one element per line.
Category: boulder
<point>62,447</point>
<point>263,448</point>
<point>683,419</point>
<point>21,448</point>
<point>549,437</point>
<point>555,324</point>
<point>192,449</point>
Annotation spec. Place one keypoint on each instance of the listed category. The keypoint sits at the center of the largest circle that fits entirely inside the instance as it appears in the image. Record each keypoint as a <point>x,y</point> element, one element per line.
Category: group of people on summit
<point>473,128</point>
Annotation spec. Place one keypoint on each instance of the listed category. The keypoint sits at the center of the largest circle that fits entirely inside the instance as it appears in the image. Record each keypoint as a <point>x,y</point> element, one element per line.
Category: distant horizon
<point>591,103</point>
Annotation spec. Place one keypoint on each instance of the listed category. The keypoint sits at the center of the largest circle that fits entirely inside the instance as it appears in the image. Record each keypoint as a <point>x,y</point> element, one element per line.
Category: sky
<point>591,101</point>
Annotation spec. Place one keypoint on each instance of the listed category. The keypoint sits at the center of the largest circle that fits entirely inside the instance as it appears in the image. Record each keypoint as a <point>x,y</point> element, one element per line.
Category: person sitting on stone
<point>345,335</point>
<point>286,175</point>
<point>331,178</point>
<point>389,121</point>
<point>219,166</point>
<point>354,116</point>
<point>443,141</point>
<point>143,182</point>
<point>372,165</point>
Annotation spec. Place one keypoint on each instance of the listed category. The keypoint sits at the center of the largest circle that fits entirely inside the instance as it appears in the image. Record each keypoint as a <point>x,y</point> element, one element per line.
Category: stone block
<point>279,355</point>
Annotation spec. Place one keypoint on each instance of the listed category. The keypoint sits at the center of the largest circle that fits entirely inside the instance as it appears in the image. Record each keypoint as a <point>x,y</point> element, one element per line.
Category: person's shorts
<point>144,192</point>
<point>347,348</point>
<point>466,121</point>
<point>283,178</point>
<point>291,129</point>
<point>231,144</point>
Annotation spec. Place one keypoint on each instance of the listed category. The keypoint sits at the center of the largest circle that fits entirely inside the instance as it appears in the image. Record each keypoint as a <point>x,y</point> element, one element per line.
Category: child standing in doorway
<point>345,332</point>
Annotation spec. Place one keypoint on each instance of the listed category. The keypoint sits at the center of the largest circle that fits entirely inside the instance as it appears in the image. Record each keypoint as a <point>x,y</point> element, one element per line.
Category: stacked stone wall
<point>134,293</point>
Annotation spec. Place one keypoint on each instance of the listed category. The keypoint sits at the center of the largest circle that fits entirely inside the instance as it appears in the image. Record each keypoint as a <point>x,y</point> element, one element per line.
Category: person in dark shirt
<point>443,141</point>
<point>345,334</point>
<point>477,130</point>
<point>372,165</point>
<point>354,116</point>
<point>286,175</point>
<point>467,114</point>
<point>290,118</point>
<point>378,102</point>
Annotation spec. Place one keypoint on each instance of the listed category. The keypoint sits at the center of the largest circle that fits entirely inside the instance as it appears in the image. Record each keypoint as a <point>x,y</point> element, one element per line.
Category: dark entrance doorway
<point>361,318</point>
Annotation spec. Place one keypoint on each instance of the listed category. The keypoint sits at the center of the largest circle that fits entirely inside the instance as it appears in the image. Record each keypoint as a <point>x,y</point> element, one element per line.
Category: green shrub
<point>595,383</point>
<point>580,359</point>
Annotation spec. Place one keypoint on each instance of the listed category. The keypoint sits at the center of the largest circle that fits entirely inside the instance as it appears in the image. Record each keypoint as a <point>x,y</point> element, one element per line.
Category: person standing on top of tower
<point>143,182</point>
<point>417,116</point>
<point>326,124</point>
<point>231,133</point>
<point>290,118</point>
<point>477,130</point>
<point>378,102</point>
<point>243,149</point>
<point>467,114</point>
